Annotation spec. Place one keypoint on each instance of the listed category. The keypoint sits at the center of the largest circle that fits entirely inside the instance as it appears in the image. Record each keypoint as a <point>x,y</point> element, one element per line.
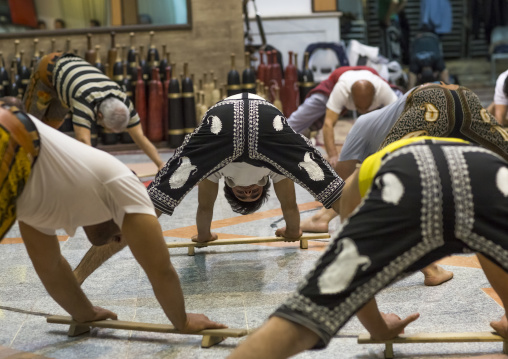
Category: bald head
<point>363,92</point>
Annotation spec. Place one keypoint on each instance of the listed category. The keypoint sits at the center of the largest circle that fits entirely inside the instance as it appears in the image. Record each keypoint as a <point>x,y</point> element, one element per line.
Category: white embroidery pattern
<point>392,188</point>
<point>278,125</point>
<point>339,274</point>
<point>215,125</point>
<point>182,173</point>
<point>502,180</point>
<point>314,171</point>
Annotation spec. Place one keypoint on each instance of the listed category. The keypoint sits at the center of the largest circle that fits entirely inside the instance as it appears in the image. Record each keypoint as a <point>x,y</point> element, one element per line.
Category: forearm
<point>144,237</point>
<point>149,149</point>
<point>204,217</point>
<point>82,134</point>
<point>292,218</point>
<point>167,290</point>
<point>329,139</point>
<point>61,284</point>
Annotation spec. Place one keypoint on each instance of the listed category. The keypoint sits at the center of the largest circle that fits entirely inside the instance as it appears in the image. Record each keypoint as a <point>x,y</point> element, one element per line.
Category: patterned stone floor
<point>238,285</point>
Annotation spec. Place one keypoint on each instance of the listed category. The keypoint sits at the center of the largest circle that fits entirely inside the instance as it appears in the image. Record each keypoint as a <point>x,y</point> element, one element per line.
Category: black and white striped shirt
<point>81,87</point>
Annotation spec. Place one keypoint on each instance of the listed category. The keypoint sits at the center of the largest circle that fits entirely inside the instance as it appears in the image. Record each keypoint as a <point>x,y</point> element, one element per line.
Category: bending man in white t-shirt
<point>55,182</point>
<point>355,90</point>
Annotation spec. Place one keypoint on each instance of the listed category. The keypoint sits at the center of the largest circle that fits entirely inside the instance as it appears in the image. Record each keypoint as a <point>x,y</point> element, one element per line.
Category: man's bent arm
<point>56,275</point>
<point>146,146</point>
<point>285,191</point>
<point>331,119</point>
<point>350,198</point>
<point>143,234</point>
<point>346,168</point>
<point>207,194</point>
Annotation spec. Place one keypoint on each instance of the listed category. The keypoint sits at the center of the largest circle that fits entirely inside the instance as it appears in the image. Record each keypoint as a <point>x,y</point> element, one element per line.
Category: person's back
<point>73,187</point>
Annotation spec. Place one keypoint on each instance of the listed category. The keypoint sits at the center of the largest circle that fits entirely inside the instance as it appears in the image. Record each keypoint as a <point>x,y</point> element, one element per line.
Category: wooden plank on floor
<point>303,240</point>
<point>145,327</point>
<point>435,338</point>
<point>221,242</point>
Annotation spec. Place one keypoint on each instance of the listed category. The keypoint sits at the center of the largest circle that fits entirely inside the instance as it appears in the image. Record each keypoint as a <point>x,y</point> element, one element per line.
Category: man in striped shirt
<point>63,83</point>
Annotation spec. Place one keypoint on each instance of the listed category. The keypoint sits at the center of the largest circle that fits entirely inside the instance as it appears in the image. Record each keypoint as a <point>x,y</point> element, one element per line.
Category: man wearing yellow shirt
<point>423,199</point>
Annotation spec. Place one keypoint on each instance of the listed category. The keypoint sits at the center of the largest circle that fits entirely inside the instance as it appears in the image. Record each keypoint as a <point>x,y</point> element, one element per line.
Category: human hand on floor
<point>501,326</point>
<point>99,314</point>
<point>290,235</point>
<point>199,238</point>
<point>394,325</point>
<point>198,322</point>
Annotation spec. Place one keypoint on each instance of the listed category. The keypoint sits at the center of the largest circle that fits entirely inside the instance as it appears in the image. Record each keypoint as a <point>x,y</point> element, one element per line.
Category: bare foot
<point>318,223</point>
<point>314,225</point>
<point>436,275</point>
<point>500,326</point>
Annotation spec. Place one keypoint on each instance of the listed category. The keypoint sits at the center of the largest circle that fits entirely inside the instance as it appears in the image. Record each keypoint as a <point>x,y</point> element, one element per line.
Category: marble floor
<point>239,285</point>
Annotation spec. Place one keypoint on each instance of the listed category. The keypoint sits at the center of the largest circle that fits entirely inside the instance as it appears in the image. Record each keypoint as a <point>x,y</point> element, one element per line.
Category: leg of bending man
<point>426,201</point>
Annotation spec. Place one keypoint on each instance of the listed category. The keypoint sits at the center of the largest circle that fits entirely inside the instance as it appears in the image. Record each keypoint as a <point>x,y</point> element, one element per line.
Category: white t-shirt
<point>499,96</point>
<point>73,185</point>
<point>244,174</point>
<point>341,97</point>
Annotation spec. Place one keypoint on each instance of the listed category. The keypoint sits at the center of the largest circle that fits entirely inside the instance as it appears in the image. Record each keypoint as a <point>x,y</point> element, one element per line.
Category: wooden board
<point>192,245</point>
<point>434,338</point>
<point>210,336</point>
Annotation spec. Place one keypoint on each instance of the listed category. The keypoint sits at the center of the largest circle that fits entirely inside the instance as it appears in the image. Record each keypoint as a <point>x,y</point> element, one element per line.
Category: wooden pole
<point>433,338</point>
<point>303,240</point>
<point>210,336</point>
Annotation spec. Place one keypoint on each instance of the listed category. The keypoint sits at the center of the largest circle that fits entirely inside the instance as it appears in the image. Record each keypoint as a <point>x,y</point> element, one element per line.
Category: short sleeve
<point>499,96</point>
<point>134,120</point>
<point>214,177</point>
<point>337,100</point>
<point>386,95</point>
<point>128,195</point>
<point>275,177</point>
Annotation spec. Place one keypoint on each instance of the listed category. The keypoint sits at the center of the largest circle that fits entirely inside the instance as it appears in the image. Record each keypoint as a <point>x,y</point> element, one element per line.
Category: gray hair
<point>115,114</point>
